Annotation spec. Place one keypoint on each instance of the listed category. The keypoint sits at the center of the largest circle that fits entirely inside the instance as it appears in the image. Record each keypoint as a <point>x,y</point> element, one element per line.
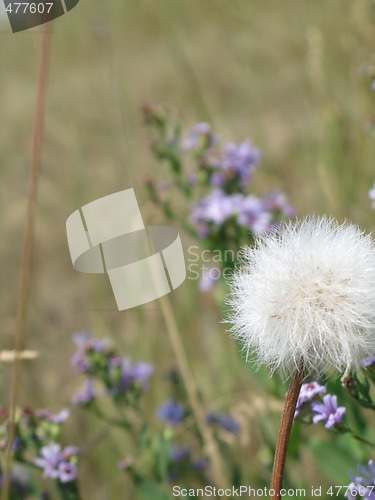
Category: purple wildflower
<point>69,451</point>
<point>142,372</point>
<point>97,345</point>
<point>171,413</point>
<point>67,472</point>
<point>249,211</point>
<point>254,216</point>
<point>137,373</point>
<point>81,338</point>
<point>362,486</point>
<point>366,362</point>
<point>217,179</point>
<point>307,393</point>
<point>126,375</point>
<point>85,395</point>
<point>277,202</point>
<point>86,343</point>
<point>328,411</point>
<point>217,208</point>
<point>55,462</point>
<point>224,420</point>
<point>80,362</point>
<point>179,453</point>
<point>240,161</point>
<point>49,460</point>
<point>57,418</point>
<point>199,137</point>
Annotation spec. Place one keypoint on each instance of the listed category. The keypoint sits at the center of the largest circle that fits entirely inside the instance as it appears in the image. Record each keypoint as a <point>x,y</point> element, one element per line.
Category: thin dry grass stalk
<point>25,264</point>
<point>210,445</point>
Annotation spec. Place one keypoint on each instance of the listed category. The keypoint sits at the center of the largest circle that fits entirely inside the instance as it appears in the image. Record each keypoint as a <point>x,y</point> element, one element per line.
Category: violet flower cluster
<point>98,360</point>
<point>171,413</point>
<point>37,442</point>
<point>214,177</point>
<point>325,410</point>
<point>363,484</point>
<point>228,169</point>
<point>58,463</point>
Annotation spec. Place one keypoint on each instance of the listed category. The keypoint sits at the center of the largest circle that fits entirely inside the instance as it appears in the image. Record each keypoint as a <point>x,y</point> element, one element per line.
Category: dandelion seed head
<point>305,296</point>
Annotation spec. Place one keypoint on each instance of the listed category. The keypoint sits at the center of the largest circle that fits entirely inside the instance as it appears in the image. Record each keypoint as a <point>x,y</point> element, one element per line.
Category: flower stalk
<point>284,432</point>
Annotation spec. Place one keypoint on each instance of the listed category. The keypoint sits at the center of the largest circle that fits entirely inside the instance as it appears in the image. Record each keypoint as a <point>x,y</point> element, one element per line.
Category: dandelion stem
<point>284,432</point>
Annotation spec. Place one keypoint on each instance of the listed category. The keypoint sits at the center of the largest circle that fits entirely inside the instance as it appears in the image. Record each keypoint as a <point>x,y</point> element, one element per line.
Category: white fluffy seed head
<point>305,296</point>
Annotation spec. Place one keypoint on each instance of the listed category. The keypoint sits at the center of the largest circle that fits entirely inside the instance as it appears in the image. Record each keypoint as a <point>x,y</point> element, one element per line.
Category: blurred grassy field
<point>286,74</point>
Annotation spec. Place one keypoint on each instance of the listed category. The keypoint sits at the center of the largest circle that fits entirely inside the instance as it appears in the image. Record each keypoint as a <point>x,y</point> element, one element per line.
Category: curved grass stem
<point>210,445</point>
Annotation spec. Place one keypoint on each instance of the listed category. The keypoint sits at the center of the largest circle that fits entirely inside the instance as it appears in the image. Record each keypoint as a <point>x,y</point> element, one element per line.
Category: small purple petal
<point>178,453</point>
<point>67,472</point>
<point>85,395</point>
<point>70,451</point>
<point>366,362</point>
<point>171,413</point>
<point>328,411</point>
<point>142,371</point>
<point>224,420</point>
<point>81,338</point>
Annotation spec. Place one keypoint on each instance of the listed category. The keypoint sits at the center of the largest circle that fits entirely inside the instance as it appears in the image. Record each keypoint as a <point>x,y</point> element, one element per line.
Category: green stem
<point>366,404</point>
<point>68,491</point>
<point>123,423</point>
<point>347,429</point>
<point>362,439</point>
